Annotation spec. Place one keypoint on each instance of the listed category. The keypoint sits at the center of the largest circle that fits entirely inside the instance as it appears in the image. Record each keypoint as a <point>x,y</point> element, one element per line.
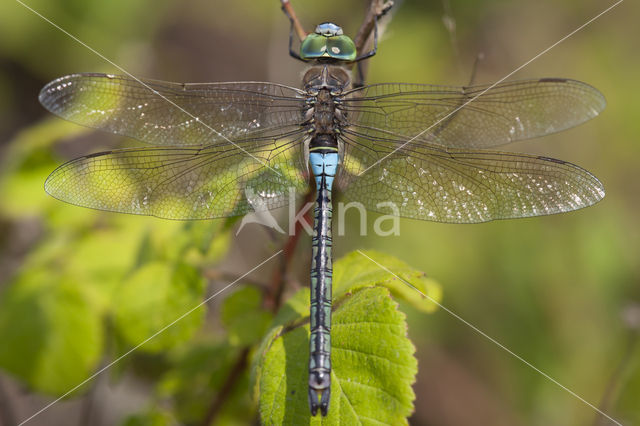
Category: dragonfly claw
<point>319,391</point>
<point>319,399</point>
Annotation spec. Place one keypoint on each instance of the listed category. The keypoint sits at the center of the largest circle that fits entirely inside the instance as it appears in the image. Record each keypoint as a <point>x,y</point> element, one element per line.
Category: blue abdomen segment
<point>324,164</point>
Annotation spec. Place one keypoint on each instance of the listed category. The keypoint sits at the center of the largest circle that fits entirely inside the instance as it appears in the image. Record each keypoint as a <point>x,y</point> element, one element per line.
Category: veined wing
<point>162,113</point>
<point>508,112</point>
<point>455,185</point>
<point>183,182</point>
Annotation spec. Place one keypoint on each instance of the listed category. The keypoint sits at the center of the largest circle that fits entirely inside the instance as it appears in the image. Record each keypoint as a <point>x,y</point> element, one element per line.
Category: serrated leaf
<point>373,366</point>
<point>257,362</point>
<point>243,317</point>
<point>371,268</point>
<point>152,298</point>
<point>51,336</point>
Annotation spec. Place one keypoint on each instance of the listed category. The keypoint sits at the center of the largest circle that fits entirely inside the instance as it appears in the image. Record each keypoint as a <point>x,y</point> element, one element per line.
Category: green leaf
<point>244,318</point>
<point>297,307</point>
<point>23,193</point>
<point>27,163</point>
<point>373,365</point>
<point>197,243</point>
<point>199,371</point>
<point>367,268</point>
<point>208,235</point>
<point>154,417</point>
<point>102,258</point>
<point>51,336</point>
<point>197,366</point>
<point>155,296</point>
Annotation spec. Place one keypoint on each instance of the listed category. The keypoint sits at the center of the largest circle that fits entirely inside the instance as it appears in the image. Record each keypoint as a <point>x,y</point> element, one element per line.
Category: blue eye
<point>336,47</point>
<point>328,41</point>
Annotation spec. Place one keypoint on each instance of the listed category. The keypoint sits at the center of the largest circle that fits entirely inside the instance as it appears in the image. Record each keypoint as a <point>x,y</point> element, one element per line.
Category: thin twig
<point>7,416</point>
<point>274,298</point>
<point>225,391</point>
<point>288,9</point>
<point>86,412</point>
<point>364,34</point>
<point>449,22</point>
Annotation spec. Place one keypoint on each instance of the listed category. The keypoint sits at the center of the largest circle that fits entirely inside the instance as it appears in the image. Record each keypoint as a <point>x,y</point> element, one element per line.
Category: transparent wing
<point>183,182</point>
<point>175,114</point>
<point>460,185</point>
<point>507,112</point>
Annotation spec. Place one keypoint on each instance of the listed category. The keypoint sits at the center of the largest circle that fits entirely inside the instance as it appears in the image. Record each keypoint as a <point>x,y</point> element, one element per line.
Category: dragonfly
<point>217,149</point>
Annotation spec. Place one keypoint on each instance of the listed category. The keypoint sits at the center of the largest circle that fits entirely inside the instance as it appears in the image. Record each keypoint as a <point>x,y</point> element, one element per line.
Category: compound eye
<point>313,46</point>
<point>341,47</point>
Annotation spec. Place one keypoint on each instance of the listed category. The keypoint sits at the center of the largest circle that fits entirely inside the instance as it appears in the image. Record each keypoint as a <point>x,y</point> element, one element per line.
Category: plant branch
<point>274,298</point>
<point>377,8</point>
<point>7,416</point>
<point>227,387</point>
<point>288,10</point>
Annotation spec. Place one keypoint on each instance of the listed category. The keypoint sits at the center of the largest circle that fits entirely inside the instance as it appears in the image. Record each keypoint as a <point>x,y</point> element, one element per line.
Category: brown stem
<point>7,416</point>
<point>364,37</point>
<point>227,387</point>
<point>288,9</point>
<point>88,406</point>
<point>364,34</point>
<point>277,281</point>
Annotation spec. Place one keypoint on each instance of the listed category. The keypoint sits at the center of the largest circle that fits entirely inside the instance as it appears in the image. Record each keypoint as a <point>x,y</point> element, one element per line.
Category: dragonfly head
<point>328,42</point>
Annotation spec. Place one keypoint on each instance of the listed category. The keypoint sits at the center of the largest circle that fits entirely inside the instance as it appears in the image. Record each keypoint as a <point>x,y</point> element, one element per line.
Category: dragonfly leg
<point>295,26</point>
<point>378,10</point>
<point>375,13</point>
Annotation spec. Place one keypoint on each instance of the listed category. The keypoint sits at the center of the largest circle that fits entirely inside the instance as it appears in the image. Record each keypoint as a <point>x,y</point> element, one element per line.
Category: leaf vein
<point>374,323</point>
<point>395,398</point>
<point>353,410</point>
<point>275,396</point>
<point>343,348</point>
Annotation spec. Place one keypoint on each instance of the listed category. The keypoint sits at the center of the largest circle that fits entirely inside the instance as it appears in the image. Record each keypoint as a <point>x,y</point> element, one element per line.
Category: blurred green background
<point>561,291</point>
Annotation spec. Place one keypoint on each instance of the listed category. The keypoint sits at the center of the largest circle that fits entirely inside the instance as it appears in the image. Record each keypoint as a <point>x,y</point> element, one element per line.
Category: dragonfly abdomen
<point>324,162</point>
